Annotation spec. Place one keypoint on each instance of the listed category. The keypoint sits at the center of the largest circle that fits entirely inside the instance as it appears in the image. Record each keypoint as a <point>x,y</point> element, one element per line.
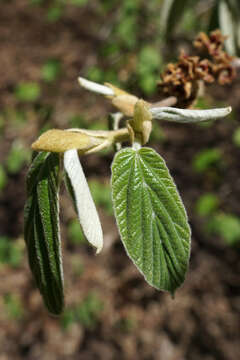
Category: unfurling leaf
<point>151,217</point>
<point>41,229</point>
<point>188,115</point>
<point>56,140</point>
<point>83,202</point>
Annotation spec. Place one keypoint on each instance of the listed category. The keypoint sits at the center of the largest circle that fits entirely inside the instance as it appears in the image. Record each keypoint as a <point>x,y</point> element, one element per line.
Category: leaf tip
<point>99,248</point>
<point>229,109</point>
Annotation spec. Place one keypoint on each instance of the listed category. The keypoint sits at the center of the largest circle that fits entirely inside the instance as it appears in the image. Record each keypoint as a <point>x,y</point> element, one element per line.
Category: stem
<point>136,145</point>
<point>170,101</point>
<point>120,135</point>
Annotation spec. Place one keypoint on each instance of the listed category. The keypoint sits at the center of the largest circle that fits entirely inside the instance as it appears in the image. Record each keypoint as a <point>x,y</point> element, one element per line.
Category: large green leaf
<point>151,217</point>
<point>41,229</point>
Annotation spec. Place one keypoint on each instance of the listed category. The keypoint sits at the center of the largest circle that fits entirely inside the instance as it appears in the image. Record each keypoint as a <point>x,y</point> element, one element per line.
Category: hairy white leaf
<point>92,86</point>
<point>85,206</point>
<point>188,116</point>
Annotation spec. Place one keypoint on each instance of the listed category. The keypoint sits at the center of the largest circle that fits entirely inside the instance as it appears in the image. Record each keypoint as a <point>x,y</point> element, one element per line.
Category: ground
<point>111,312</point>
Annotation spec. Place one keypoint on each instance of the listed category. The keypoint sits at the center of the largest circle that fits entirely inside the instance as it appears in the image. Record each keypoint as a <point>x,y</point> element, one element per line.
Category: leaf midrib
<point>162,243</point>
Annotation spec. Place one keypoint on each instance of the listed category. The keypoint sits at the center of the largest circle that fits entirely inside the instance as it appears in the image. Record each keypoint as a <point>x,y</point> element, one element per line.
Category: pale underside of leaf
<point>92,86</point>
<point>188,115</point>
<point>84,204</point>
<point>151,217</point>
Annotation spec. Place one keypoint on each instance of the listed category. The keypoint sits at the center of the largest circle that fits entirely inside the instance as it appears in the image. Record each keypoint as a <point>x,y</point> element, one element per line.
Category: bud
<point>142,121</point>
<point>61,140</point>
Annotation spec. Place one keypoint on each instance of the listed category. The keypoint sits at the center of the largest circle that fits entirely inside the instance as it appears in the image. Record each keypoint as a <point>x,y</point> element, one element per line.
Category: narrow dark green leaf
<point>41,229</point>
<point>151,217</point>
<point>213,23</point>
<point>172,13</point>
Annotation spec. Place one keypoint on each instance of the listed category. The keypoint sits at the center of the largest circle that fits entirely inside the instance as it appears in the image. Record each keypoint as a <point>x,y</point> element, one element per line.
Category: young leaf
<point>41,229</point>
<point>188,115</point>
<point>151,217</point>
<point>82,199</point>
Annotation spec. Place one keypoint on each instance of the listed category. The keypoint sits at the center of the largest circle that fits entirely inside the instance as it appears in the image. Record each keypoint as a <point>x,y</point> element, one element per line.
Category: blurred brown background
<point>111,312</point>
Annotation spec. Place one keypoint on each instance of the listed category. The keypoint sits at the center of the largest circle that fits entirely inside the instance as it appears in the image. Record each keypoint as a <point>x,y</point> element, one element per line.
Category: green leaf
<point>151,217</point>
<point>41,229</point>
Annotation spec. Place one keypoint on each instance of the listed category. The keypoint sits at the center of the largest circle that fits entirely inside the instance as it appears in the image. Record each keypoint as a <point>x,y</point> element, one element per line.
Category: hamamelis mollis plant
<point>150,215</point>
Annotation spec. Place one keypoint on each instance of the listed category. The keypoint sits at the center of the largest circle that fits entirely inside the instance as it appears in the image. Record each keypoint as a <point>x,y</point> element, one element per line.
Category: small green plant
<point>28,92</point>
<point>150,215</point>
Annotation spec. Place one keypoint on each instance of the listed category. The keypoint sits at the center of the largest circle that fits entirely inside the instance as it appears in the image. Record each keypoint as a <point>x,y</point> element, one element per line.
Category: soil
<point>202,322</point>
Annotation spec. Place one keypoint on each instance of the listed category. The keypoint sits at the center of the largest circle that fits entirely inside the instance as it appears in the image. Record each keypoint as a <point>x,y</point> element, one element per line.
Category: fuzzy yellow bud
<point>142,121</point>
<point>61,140</point>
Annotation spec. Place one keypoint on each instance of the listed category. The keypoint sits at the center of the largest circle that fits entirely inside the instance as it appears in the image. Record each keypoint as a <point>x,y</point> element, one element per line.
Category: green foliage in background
<point>207,159</point>
<point>227,226</point>
<point>11,252</point>
<point>209,15</point>
<point>51,70</point>
<point>148,66</point>
<point>3,178</point>
<point>150,214</point>
<point>236,137</point>
<point>75,232</point>
<point>127,56</point>
<point>28,92</point>
<point>207,204</point>
<point>13,306</point>
<point>17,157</point>
<point>86,312</point>
<point>102,195</point>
